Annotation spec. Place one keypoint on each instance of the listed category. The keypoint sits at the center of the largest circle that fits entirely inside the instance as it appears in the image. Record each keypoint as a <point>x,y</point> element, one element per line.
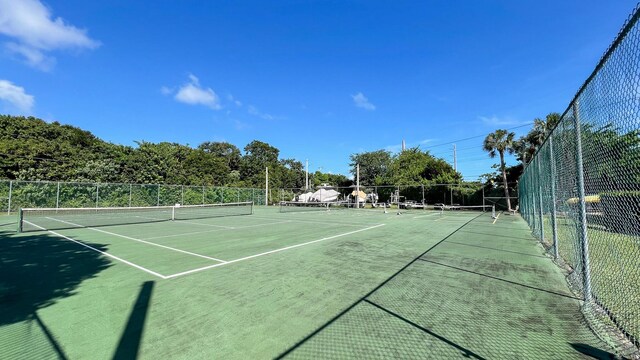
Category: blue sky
<point>317,79</point>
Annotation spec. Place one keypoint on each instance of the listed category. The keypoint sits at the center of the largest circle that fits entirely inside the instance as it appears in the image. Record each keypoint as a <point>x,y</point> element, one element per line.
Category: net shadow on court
<point>501,300</point>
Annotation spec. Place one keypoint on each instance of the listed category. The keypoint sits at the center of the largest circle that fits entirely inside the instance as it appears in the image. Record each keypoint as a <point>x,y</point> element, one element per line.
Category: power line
<point>473,137</point>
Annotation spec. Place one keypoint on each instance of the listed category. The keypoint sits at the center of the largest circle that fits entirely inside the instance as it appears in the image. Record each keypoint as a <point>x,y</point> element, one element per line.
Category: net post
<point>173,213</point>
<point>540,200</point>
<point>9,199</point>
<point>554,224</point>
<point>493,211</point>
<point>582,222</point>
<point>20,220</point>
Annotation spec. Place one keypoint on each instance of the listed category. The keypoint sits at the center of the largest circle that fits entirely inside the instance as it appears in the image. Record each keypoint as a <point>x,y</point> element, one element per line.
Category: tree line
<point>32,149</point>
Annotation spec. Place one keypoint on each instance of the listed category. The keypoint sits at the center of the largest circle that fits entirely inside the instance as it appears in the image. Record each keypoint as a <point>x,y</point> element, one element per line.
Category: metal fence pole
<point>58,196</point>
<point>540,201</point>
<point>9,200</point>
<point>181,194</point>
<point>222,195</point>
<point>158,201</point>
<point>554,224</point>
<point>202,194</point>
<point>238,189</point>
<point>97,194</point>
<point>582,223</point>
<point>130,195</point>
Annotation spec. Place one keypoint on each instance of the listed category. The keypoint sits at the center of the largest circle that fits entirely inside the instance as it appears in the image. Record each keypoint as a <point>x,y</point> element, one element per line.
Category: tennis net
<point>35,219</point>
<point>467,208</point>
<point>298,206</point>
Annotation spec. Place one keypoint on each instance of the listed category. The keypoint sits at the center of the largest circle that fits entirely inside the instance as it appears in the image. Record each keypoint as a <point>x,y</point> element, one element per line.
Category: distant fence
<point>15,194</point>
<point>581,192</point>
<point>450,194</point>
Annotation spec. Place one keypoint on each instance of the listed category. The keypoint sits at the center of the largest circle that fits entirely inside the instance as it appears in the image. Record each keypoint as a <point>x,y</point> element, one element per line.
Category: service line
<point>270,252</point>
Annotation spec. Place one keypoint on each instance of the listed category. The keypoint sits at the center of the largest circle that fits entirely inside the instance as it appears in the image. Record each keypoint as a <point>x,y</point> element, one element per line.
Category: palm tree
<point>499,142</point>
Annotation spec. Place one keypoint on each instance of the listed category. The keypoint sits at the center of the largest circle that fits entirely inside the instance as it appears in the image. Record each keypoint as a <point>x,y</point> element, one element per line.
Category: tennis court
<point>342,283</point>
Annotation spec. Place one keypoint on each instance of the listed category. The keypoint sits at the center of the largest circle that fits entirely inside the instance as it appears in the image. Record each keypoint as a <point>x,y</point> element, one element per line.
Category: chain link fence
<point>580,193</point>
<point>15,194</point>
<point>428,194</point>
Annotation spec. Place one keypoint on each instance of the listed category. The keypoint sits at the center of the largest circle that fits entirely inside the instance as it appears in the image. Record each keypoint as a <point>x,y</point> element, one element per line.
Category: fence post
<point>181,194</point>
<point>9,200</point>
<point>582,222</point>
<point>130,195</point>
<point>540,200</point>
<point>97,194</point>
<point>202,194</point>
<point>554,224</point>
<point>238,190</point>
<point>58,196</point>
<point>158,200</point>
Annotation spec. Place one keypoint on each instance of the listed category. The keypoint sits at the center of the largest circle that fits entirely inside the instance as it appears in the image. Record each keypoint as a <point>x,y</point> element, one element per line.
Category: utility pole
<point>455,160</point>
<point>357,186</point>
<point>306,181</point>
<point>266,186</point>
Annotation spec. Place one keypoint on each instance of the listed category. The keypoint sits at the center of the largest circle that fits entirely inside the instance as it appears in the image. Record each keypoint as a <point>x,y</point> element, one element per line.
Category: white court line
<point>421,216</point>
<point>271,252</point>
<point>213,230</point>
<point>134,239</point>
<point>311,221</point>
<point>100,251</point>
<point>178,221</point>
<point>496,219</point>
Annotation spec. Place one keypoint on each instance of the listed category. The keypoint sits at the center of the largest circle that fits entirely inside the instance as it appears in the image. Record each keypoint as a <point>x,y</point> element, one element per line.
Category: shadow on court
<point>431,310</point>
<point>36,271</point>
<point>131,337</point>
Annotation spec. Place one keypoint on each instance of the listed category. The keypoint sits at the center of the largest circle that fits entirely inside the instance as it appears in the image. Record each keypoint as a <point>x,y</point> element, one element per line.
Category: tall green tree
<point>259,155</point>
<point>500,142</point>
<point>526,146</point>
<point>414,166</point>
<point>373,166</point>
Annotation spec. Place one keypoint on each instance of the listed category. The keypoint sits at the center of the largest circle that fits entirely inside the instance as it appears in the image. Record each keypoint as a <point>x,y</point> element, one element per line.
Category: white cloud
<point>166,91</point>
<point>193,94</point>
<point>500,121</point>
<point>361,101</point>
<point>34,32</point>
<point>16,96</point>
<point>233,100</point>
<point>255,112</point>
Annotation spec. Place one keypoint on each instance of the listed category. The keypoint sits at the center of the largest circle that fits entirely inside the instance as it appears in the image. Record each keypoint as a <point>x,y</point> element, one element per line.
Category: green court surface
<point>337,284</point>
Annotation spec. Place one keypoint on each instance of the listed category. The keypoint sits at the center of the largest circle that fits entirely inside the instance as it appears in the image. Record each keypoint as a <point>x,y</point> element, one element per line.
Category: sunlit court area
<point>319,180</point>
<point>255,282</point>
